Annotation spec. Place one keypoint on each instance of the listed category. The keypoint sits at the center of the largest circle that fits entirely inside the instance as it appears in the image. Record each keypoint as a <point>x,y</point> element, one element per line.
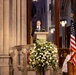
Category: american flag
<point>72,43</point>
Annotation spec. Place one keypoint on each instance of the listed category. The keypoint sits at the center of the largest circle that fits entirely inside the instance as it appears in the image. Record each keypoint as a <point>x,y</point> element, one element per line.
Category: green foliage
<point>43,54</point>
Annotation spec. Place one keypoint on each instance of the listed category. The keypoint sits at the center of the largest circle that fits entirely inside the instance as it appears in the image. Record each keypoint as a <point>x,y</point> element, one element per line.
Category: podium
<point>41,35</point>
<point>71,68</point>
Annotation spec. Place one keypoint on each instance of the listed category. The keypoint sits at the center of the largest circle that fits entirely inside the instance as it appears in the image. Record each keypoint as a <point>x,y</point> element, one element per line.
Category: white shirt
<point>38,27</point>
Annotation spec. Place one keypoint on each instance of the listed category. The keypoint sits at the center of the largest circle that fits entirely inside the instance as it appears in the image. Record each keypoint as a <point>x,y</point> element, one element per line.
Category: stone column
<point>12,26</point>
<point>13,32</point>
<point>19,30</point>
<point>6,26</point>
<point>5,64</point>
<point>1,26</point>
<point>23,22</point>
<point>18,23</point>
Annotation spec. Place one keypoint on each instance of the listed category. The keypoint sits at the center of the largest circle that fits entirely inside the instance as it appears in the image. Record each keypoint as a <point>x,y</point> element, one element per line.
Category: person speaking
<point>37,27</point>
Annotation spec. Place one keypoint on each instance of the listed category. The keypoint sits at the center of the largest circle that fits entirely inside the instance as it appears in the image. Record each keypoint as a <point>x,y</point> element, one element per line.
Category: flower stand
<point>41,71</point>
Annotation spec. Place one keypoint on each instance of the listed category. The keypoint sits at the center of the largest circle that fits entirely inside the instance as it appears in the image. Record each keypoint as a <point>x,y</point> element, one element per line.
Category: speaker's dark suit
<point>35,29</point>
<point>41,29</point>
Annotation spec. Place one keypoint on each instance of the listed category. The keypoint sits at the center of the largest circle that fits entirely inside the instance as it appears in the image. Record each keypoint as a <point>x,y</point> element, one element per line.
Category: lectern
<point>41,35</point>
<point>71,68</point>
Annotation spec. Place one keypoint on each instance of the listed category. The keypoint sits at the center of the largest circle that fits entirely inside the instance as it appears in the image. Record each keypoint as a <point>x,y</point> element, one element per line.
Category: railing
<point>16,63</point>
<point>19,59</point>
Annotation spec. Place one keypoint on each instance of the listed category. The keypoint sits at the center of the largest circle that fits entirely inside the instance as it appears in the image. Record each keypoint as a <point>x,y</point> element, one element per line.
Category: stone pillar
<point>18,17</point>
<point>18,31</point>
<point>24,22</point>
<point>12,26</point>
<point>4,37</point>
<point>1,27</point>
<point>6,26</point>
<point>13,31</point>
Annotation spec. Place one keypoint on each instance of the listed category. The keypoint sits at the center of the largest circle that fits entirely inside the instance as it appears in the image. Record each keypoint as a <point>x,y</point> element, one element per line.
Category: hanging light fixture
<point>52,29</point>
<point>63,22</point>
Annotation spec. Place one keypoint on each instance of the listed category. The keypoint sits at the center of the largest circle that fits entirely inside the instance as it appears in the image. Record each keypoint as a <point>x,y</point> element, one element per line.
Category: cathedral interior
<point>18,17</point>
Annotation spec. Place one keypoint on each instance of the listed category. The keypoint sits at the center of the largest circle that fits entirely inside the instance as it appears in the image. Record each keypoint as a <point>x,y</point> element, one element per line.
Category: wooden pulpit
<point>41,35</point>
<point>71,68</point>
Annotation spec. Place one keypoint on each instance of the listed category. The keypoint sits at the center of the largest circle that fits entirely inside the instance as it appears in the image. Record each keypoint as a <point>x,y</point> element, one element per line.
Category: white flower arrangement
<point>43,54</point>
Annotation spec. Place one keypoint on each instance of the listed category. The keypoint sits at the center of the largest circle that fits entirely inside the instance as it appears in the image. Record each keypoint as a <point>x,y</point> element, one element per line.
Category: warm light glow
<point>63,23</point>
<point>52,30</point>
<point>34,0</point>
